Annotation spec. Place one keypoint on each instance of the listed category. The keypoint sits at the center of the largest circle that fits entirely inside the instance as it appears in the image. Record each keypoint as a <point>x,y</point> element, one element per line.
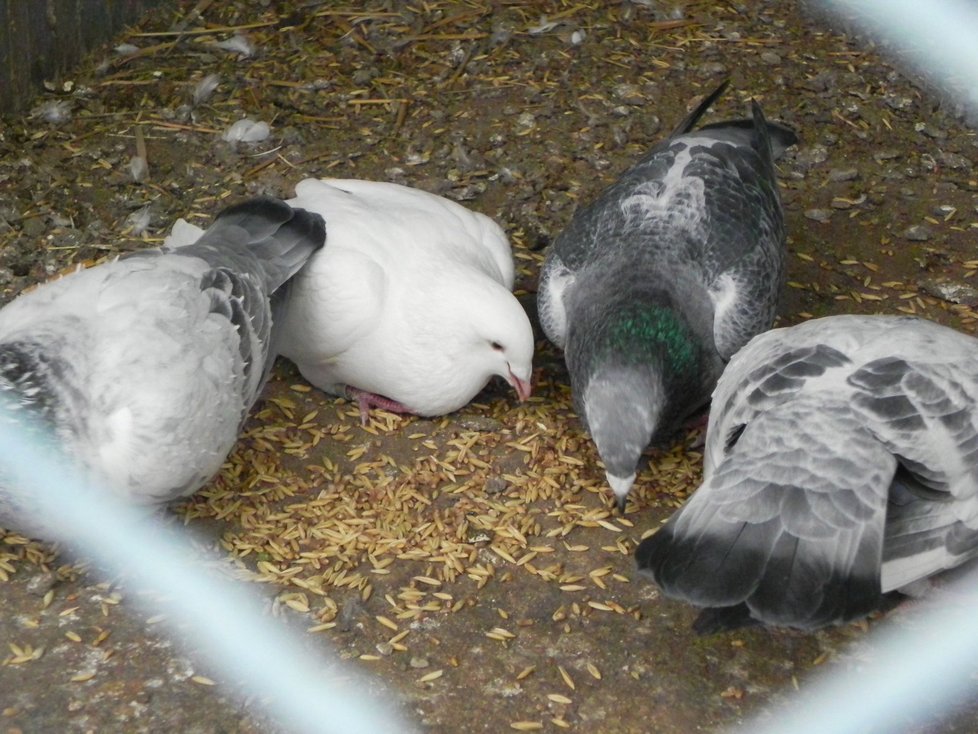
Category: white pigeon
<point>144,368</point>
<point>841,464</point>
<point>410,307</point>
<point>653,286</point>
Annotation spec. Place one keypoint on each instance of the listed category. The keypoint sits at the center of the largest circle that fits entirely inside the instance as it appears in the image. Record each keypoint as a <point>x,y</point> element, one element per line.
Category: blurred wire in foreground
<point>214,616</point>
<point>913,675</point>
<point>917,672</point>
<point>939,39</point>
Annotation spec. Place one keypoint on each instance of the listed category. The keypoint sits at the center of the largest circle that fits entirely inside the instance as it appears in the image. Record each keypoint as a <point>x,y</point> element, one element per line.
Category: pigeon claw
<point>367,400</point>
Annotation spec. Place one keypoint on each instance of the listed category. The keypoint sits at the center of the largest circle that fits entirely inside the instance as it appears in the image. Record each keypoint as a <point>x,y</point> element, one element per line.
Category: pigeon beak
<point>621,487</point>
<point>522,387</point>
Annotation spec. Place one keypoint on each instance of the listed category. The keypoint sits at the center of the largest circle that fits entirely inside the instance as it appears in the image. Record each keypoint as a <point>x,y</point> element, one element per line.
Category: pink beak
<point>522,387</point>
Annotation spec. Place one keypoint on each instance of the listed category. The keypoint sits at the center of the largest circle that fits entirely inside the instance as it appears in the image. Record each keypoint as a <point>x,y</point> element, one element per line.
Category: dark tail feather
<point>280,237</point>
<point>693,117</point>
<point>761,137</point>
<point>254,248</point>
<point>781,136</point>
<point>738,572</point>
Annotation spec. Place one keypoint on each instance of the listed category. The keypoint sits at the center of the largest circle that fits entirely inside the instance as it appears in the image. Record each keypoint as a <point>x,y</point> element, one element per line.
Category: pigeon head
<point>502,340</point>
<point>622,407</point>
<point>625,360</point>
<point>481,332</point>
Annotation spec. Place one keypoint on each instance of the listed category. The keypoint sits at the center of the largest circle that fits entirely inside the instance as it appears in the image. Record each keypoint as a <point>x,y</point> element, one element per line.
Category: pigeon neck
<point>649,333</point>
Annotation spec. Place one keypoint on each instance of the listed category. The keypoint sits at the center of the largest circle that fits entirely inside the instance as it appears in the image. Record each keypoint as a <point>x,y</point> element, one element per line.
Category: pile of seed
<point>318,507</point>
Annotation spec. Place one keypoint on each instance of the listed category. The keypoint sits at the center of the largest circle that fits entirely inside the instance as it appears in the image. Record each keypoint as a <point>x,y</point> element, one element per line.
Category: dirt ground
<point>473,563</point>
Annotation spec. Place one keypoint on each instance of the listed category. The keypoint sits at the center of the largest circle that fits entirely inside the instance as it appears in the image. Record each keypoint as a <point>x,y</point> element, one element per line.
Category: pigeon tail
<point>280,237</point>
<point>753,572</point>
<point>761,139</point>
<point>254,248</point>
<point>715,620</point>
<point>747,130</point>
<point>693,117</point>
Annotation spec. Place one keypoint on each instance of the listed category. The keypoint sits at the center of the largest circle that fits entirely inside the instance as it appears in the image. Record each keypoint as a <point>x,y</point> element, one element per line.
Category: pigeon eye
<point>497,346</point>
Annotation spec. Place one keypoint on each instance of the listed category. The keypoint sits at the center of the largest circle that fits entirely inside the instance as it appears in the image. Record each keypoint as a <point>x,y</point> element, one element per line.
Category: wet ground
<point>472,562</point>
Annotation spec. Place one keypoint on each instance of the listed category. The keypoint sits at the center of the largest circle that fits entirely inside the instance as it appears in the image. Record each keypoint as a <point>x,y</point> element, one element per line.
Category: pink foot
<point>367,400</point>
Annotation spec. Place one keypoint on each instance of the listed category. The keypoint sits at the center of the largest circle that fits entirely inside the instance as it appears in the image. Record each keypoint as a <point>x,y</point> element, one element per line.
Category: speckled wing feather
<point>253,249</point>
<point>922,408</point>
<point>835,470</point>
<point>744,254</point>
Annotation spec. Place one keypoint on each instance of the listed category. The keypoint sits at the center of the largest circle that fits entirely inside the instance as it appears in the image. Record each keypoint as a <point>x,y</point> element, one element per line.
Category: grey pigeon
<point>841,464</point>
<point>143,368</point>
<point>652,287</point>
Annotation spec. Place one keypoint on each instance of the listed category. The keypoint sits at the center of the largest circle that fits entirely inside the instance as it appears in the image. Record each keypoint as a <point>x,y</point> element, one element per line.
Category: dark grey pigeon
<point>143,368</point>
<point>841,464</point>
<point>653,286</point>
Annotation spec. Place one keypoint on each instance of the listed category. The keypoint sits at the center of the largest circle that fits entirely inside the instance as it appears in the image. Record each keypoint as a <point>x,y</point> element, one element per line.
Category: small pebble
<point>898,103</point>
<point>818,215</point>
<point>41,584</point>
<point>769,57</point>
<point>917,233</point>
<point>482,424</point>
<point>495,485</point>
<point>930,131</point>
<point>713,68</point>
<point>843,174</point>
<point>385,648</point>
<point>953,160</point>
<point>950,291</point>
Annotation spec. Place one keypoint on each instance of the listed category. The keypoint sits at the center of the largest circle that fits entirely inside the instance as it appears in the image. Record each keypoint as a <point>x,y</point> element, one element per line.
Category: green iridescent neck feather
<point>654,331</point>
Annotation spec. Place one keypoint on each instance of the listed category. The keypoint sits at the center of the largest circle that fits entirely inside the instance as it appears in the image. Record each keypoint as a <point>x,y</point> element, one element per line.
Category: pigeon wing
<point>253,249</point>
<point>555,279</point>
<point>924,412</point>
<point>744,252</point>
<point>788,526</point>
